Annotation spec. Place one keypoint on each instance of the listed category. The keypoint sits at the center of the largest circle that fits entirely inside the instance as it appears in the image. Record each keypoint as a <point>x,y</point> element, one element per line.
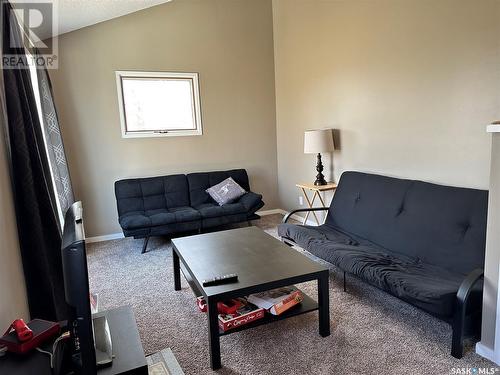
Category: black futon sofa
<point>167,205</point>
<point>421,242</point>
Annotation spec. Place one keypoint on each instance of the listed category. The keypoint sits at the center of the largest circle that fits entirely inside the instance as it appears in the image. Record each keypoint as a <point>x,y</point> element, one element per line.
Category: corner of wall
<point>12,285</point>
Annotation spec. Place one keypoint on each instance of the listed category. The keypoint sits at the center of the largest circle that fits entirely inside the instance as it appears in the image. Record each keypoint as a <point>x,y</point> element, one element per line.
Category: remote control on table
<point>225,279</point>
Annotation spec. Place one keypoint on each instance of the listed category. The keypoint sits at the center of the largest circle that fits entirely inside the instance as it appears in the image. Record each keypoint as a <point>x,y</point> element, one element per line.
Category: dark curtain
<point>35,205</point>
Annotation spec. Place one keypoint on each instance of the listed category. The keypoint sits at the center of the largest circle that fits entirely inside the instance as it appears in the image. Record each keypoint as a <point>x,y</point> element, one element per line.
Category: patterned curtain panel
<point>54,143</point>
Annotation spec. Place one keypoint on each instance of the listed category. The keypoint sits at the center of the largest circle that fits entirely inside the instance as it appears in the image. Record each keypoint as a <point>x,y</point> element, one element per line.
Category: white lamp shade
<point>317,141</point>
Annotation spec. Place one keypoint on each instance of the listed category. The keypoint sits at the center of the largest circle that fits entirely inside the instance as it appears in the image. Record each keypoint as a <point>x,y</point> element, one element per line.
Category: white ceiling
<point>75,14</point>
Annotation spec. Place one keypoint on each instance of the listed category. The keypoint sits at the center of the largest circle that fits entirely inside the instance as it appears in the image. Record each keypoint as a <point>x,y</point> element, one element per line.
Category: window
<point>158,104</point>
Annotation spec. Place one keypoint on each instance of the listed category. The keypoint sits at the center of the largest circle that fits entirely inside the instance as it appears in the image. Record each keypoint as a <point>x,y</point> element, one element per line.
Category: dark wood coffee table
<point>261,261</point>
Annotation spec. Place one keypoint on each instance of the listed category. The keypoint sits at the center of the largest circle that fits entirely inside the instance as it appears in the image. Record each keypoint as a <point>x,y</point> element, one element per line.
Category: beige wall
<point>409,84</point>
<point>13,303</point>
<point>229,42</point>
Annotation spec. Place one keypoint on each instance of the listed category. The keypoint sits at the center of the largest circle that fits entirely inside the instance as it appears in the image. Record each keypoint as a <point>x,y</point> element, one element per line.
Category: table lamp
<point>316,142</point>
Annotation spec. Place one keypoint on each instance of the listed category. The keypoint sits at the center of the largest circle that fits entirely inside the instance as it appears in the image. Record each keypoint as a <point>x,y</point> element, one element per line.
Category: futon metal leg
<point>177,270</point>
<point>145,245</point>
<point>345,286</point>
<point>286,241</point>
<point>324,305</point>
<point>213,335</point>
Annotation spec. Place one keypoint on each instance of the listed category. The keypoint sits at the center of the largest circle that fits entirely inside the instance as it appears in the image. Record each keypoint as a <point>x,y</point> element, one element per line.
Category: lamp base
<point>320,182</point>
<point>320,179</point>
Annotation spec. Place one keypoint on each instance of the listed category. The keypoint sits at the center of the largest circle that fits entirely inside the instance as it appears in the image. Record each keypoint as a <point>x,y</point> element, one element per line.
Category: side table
<point>316,190</point>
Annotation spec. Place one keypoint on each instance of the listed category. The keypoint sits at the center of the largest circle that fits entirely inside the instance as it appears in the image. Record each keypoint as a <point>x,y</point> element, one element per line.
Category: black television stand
<point>127,349</point>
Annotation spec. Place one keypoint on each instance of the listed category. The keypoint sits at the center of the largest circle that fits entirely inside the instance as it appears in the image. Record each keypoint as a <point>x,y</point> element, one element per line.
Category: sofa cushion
<point>200,182</point>
<point>208,210</point>
<point>429,287</point>
<point>160,217</point>
<point>183,214</point>
<point>440,225</point>
<point>305,236</point>
<point>210,222</point>
<point>426,286</point>
<point>226,191</point>
<point>141,194</point>
<point>134,220</point>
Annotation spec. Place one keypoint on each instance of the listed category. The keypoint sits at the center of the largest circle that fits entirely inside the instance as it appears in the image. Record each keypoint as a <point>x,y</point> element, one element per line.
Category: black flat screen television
<point>76,285</point>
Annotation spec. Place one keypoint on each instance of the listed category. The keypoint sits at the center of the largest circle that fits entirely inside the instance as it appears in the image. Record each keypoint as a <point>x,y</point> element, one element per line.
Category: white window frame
<point>166,75</point>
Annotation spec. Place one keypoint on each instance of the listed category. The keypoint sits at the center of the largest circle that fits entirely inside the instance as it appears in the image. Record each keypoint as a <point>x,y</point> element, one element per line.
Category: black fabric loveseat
<point>421,242</point>
<point>167,205</point>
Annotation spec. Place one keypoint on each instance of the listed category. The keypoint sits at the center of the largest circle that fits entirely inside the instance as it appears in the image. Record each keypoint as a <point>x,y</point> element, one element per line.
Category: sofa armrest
<point>458,322</point>
<point>288,215</point>
<point>250,200</point>
<point>468,283</point>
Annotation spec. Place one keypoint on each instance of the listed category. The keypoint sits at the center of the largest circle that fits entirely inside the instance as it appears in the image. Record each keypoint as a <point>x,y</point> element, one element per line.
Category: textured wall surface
<point>410,86</point>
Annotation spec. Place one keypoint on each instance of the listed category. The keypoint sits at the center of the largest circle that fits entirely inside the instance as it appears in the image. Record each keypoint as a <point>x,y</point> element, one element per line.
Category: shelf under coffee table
<point>307,305</point>
<point>261,262</point>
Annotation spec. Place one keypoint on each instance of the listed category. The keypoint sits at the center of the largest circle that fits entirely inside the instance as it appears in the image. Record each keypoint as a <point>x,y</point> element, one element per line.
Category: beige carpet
<point>371,332</point>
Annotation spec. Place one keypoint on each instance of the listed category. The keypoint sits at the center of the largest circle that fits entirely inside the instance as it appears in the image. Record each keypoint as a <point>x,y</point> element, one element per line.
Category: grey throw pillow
<point>225,192</point>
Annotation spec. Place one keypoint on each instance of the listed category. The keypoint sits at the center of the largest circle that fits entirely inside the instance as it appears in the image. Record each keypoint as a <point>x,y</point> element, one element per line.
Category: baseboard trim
<point>271,212</point>
<point>280,211</point>
<point>487,353</point>
<point>106,237</point>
